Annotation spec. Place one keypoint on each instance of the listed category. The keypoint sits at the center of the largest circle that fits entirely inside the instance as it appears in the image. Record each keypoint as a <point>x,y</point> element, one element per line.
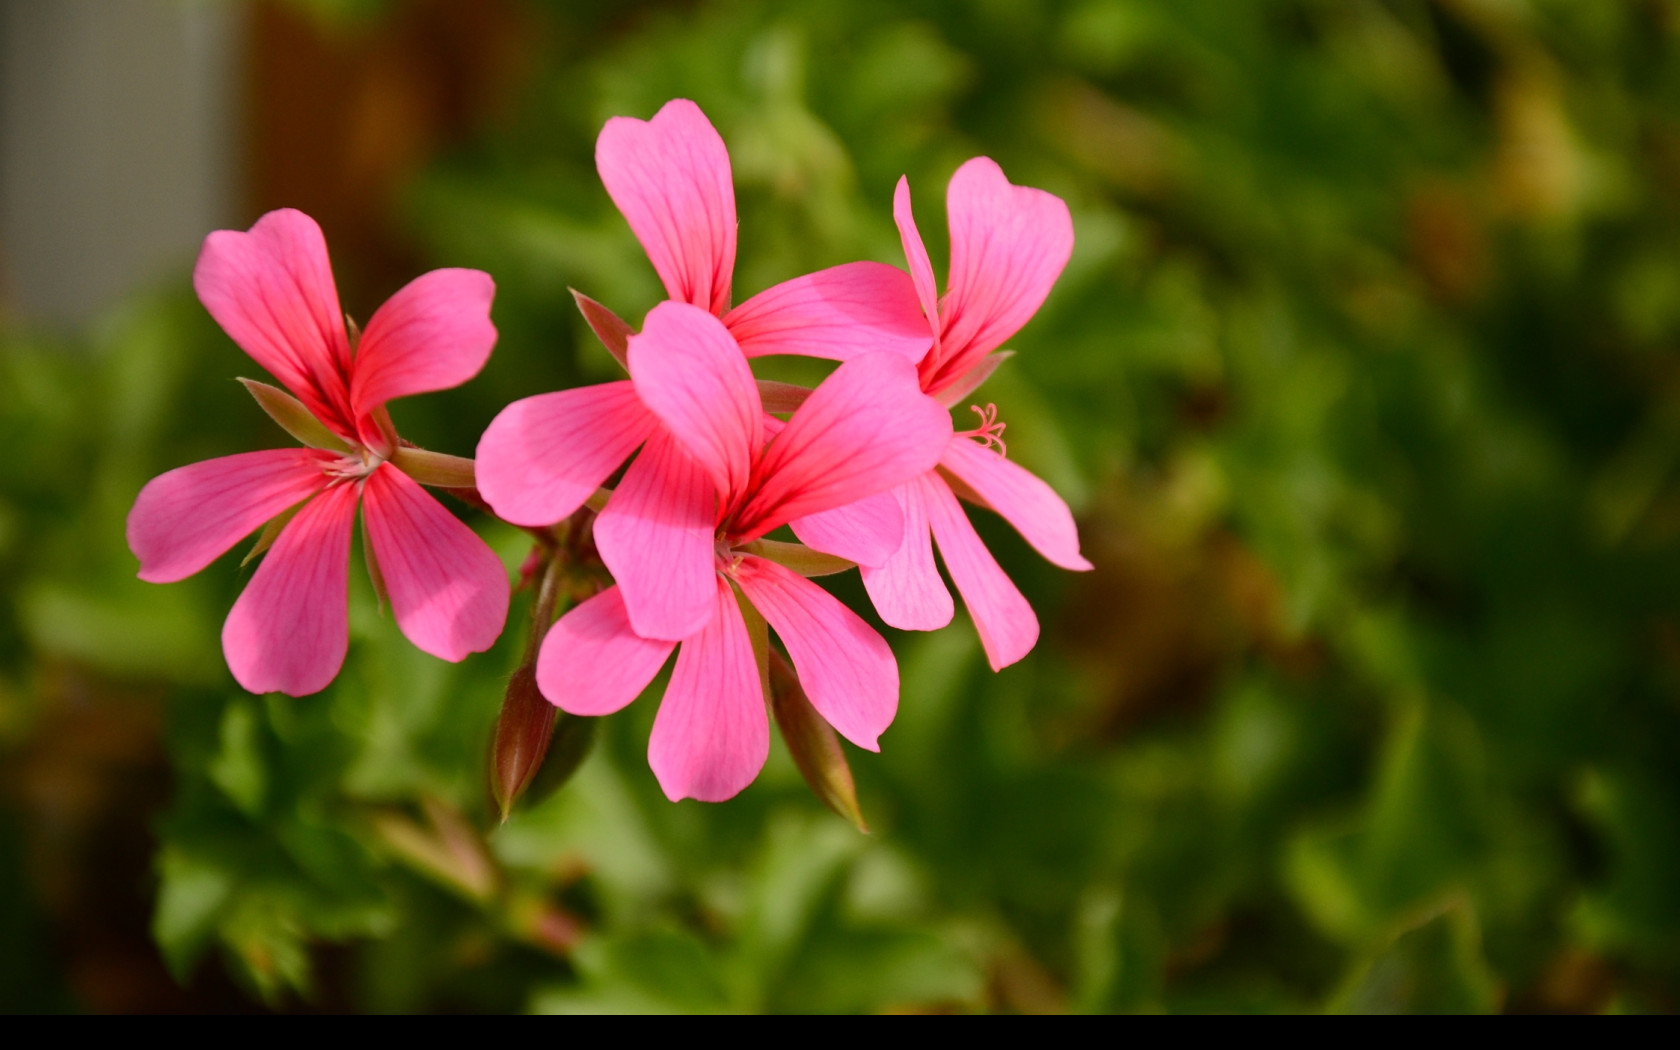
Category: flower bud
<point>537,746</point>
<point>813,743</point>
<point>523,732</point>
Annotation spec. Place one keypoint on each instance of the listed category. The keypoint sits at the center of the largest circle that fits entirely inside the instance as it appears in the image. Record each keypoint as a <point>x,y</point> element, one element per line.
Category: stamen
<point>990,431</point>
<point>353,466</point>
<point>727,557</point>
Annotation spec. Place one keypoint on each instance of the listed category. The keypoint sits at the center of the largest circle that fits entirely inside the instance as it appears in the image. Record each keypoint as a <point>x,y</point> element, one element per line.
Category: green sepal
<point>271,532</point>
<point>970,382</point>
<point>608,327</point>
<point>758,632</point>
<point>798,557</point>
<point>781,399</point>
<point>374,574</point>
<point>293,418</point>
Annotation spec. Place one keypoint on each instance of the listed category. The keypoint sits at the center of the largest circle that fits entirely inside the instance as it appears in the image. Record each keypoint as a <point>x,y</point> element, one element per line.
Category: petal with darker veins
<point>448,590</point>
<point>289,630</point>
<point>593,663</point>
<point>1021,498</point>
<point>656,536</point>
<point>712,734</point>
<point>865,429</point>
<point>906,589</point>
<point>670,178</point>
<point>189,517</point>
<point>846,668</point>
<point>1007,626</point>
<point>543,456</point>
<point>837,313</point>
<point>271,289</point>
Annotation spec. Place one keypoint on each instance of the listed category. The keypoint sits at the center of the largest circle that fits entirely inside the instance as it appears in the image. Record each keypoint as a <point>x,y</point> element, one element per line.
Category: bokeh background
<point>1364,383</point>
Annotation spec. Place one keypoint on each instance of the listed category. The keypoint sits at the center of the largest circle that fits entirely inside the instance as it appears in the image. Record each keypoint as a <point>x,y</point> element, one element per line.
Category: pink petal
<point>915,253</point>
<point>836,313</point>
<point>848,670</point>
<point>867,428</point>
<point>906,589</point>
<point>1008,246</point>
<point>656,535</point>
<point>711,735</point>
<point>543,456</point>
<point>1038,514</point>
<point>1006,623</point>
<point>449,591</point>
<point>187,518</point>
<point>867,532</point>
<point>592,663</point>
<point>435,333</point>
<point>290,629</point>
<point>272,291</point>
<point>670,178</point>
<point>690,373</point>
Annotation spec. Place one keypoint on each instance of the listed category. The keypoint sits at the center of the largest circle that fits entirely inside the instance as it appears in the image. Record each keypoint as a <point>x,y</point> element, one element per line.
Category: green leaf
<point>192,895</point>
<point>1434,965</point>
<point>238,769</point>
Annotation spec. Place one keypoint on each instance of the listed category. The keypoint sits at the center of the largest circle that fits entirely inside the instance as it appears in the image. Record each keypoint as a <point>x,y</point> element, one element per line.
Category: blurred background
<point>1364,383</point>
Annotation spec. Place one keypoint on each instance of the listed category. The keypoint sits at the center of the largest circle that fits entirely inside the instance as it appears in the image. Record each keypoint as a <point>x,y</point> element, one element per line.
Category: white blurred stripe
<point>119,146</point>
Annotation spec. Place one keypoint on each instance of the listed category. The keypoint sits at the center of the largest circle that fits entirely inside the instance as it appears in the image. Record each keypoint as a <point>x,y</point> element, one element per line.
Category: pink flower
<point>543,457</point>
<point>272,291</point>
<point>866,429</point>
<point>670,177</point>
<point>1008,246</point>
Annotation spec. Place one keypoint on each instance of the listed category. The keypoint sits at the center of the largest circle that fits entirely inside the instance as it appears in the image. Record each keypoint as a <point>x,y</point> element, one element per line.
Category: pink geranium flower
<point>670,177</point>
<point>543,457</point>
<point>866,429</point>
<point>1008,246</point>
<point>272,291</point>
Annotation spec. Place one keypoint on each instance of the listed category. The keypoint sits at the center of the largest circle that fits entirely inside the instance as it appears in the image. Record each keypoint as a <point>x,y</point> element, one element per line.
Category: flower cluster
<point>866,469</point>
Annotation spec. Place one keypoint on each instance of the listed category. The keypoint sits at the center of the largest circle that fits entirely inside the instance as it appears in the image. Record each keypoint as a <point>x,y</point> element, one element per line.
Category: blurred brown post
<point>343,114</point>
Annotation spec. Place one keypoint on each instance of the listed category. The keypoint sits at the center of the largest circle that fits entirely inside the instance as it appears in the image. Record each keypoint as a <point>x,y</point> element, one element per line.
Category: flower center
<point>990,432</point>
<point>353,466</point>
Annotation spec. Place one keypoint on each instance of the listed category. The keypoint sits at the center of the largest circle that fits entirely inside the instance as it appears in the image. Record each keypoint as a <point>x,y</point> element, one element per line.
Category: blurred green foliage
<point>1364,381</point>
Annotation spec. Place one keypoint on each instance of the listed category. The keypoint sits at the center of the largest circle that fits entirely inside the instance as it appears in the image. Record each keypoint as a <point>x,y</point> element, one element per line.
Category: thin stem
<point>549,593</point>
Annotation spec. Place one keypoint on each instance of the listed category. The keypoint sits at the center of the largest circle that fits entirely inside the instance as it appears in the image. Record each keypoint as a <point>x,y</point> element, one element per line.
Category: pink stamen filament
<point>990,431</point>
